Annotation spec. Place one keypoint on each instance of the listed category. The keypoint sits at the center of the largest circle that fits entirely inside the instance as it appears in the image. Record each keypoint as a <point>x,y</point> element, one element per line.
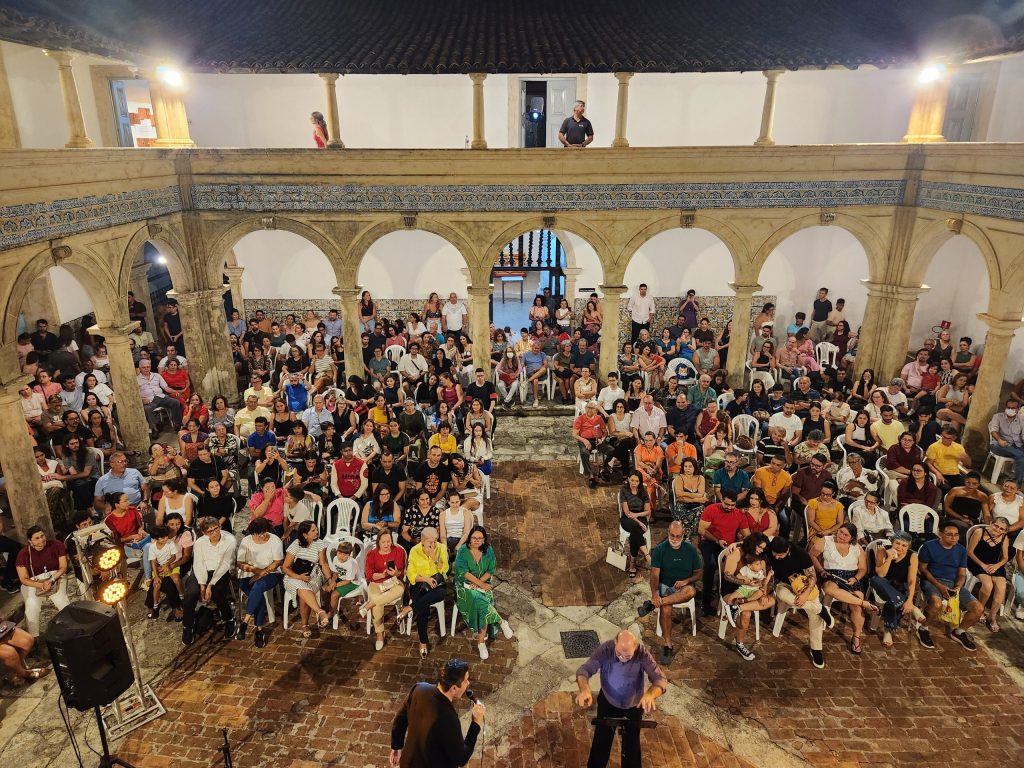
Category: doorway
<point>133,113</point>
<point>544,103</point>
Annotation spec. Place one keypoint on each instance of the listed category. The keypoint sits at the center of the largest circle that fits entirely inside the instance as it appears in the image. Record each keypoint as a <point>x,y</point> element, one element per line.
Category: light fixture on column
<point>170,76</point>
<point>931,73</point>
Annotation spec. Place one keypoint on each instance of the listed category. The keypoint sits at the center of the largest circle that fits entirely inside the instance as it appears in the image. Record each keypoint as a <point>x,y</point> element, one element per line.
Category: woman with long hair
<point>320,135</point>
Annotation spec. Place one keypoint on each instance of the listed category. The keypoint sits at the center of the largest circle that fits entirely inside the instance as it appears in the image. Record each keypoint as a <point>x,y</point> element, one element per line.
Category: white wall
<point>410,264</point>
<point>283,265</point>
<point>580,253</point>
<point>810,259</point>
<point>70,297</point>
<point>1007,123</point>
<point>674,261</point>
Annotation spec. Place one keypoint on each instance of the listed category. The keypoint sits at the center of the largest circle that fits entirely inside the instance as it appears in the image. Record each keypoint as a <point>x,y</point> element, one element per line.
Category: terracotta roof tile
<point>451,36</point>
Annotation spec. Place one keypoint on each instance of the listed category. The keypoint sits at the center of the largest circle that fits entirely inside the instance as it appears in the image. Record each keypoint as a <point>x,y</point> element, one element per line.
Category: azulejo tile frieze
<point>998,202</point>
<point>22,224</point>
<point>549,197</point>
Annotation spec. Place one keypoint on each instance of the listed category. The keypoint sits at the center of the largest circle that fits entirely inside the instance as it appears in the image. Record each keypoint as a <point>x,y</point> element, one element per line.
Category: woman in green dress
<point>475,566</point>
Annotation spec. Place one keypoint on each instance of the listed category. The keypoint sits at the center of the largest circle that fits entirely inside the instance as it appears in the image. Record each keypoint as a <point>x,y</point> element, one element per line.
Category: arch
<point>410,263</point>
<point>361,244</point>
<point>221,247</point>
<point>730,237</point>
<point>280,264</point>
<point>795,280</point>
<point>873,247</point>
<point>169,246</point>
<point>958,291</point>
<point>91,271</point>
<point>592,236</point>
<point>935,236</point>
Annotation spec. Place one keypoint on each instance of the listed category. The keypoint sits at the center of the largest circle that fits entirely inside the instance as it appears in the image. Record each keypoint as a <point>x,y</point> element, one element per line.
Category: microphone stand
<point>621,724</point>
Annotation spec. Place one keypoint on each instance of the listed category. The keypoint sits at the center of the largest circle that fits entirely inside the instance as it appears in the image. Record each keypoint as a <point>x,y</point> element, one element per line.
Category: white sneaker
<point>379,645</point>
<point>506,630</point>
<point>364,609</point>
<point>482,648</point>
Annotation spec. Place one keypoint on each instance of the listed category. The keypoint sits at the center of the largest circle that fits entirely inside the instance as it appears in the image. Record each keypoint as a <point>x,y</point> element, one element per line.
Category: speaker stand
<point>106,759</point>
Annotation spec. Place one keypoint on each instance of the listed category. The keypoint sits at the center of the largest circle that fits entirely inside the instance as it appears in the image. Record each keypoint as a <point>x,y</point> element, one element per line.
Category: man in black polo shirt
<point>576,130</point>
<point>204,468</point>
<point>819,316</point>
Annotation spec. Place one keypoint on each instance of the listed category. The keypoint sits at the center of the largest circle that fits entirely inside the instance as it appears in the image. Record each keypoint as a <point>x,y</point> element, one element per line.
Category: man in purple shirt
<point>622,662</point>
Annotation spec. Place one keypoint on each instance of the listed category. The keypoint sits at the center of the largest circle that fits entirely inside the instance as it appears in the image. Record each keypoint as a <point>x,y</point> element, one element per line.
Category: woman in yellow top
<point>444,439</point>
<point>824,514</point>
<point>426,571</point>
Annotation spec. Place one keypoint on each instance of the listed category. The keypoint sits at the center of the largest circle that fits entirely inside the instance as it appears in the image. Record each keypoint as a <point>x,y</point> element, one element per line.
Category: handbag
<point>302,567</point>
<point>616,556</point>
<point>950,613</point>
<point>388,584</point>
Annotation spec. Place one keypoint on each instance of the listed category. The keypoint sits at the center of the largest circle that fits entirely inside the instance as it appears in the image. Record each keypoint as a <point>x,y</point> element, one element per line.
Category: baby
<point>752,576</point>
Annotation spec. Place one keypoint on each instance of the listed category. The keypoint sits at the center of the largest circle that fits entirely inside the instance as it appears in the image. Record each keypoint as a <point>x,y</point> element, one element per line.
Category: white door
<point>561,96</point>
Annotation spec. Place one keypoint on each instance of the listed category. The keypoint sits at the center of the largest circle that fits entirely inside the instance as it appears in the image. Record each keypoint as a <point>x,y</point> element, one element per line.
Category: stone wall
<point>278,308</point>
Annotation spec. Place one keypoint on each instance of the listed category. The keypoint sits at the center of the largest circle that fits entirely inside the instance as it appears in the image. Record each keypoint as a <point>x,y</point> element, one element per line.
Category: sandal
<point>35,674</point>
<point>856,647</point>
<point>993,627</point>
<point>323,620</point>
<point>306,631</point>
<point>869,607</point>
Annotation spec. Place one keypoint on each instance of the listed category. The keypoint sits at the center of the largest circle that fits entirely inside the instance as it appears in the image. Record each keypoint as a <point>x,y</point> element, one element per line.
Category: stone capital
<point>482,292</point>
<point>61,58</point>
<point>141,271</point>
<point>10,390</point>
<point>348,294</point>
<point>234,273</point>
<point>478,77</point>
<point>745,290</point>
<point>613,290</point>
<point>1000,326</point>
<point>329,77</point>
<point>192,298</point>
<point>772,74</point>
<point>623,77</point>
<point>112,333</point>
<point>895,292</point>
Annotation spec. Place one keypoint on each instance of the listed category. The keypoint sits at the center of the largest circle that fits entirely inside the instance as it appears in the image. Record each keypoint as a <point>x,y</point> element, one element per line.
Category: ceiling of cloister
<point>460,36</point>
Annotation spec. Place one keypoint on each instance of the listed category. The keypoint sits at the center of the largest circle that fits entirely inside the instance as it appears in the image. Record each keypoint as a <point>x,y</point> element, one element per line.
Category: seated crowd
<point>786,486</point>
<point>247,493</point>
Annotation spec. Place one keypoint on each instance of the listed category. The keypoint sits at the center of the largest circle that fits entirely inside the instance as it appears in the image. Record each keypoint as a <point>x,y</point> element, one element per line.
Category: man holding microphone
<point>623,663</point>
<point>426,732</point>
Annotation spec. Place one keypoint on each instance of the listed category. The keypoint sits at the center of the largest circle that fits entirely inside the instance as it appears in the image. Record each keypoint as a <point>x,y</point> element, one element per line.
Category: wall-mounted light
<point>931,73</point>
<point>161,259</point>
<point>170,76</point>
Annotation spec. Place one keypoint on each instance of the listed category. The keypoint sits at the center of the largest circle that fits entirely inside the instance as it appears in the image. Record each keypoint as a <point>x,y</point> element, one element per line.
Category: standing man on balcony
<point>576,131</point>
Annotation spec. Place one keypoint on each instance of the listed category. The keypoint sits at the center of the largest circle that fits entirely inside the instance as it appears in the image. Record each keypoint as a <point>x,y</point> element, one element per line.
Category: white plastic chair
<point>724,399</point>
<point>912,518</point>
<point>683,370</point>
<point>746,426</point>
<point>486,487</point>
<point>826,353</point>
<point>359,551</point>
<point>394,353</point>
<point>840,442</point>
<point>439,607</point>
<point>1000,464</point>
<point>722,620</point>
<point>623,533</point>
<point>765,377</point>
<point>346,518</point>
<point>872,551</point>
<point>100,458</point>
<point>691,606</point>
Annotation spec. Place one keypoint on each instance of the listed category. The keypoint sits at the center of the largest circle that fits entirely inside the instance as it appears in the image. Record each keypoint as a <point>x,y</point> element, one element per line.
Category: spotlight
<point>105,555</point>
<point>113,592</point>
<point>931,73</point>
<point>170,76</point>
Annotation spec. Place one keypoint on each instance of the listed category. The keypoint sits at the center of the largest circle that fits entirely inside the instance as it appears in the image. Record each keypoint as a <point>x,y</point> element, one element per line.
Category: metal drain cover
<point>579,643</point>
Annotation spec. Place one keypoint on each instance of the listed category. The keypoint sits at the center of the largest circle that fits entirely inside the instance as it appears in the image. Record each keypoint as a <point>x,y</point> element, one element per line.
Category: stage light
<point>105,555</point>
<point>113,592</point>
<point>170,76</point>
<point>931,73</point>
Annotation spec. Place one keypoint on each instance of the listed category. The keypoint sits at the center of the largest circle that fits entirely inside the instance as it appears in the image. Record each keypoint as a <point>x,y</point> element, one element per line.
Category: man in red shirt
<point>720,525</point>
<point>588,429</point>
<point>350,475</point>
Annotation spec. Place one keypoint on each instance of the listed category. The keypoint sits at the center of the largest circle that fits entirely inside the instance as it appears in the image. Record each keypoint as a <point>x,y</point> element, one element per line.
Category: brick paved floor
<point>906,706</point>
<point>534,505</point>
<point>556,733</point>
<point>321,702</point>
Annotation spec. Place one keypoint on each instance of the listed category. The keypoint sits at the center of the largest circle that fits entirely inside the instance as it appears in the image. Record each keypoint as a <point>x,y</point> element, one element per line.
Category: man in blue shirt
<point>623,663</point>
<point>261,436</point>
<point>121,478</point>
<point>943,564</point>
<point>536,364</point>
<point>332,325</point>
<point>297,393</point>
<point>729,477</point>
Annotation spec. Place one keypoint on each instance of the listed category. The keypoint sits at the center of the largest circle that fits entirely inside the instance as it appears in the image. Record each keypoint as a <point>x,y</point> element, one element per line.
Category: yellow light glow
<point>170,76</point>
<point>114,592</point>
<point>931,73</point>
<point>109,559</point>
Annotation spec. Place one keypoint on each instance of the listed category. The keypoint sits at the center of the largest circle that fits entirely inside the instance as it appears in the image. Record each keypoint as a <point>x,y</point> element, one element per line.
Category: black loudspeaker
<point>89,655</point>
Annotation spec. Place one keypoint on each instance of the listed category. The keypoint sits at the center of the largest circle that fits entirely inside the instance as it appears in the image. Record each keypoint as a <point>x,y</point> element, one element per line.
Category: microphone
<point>471,696</point>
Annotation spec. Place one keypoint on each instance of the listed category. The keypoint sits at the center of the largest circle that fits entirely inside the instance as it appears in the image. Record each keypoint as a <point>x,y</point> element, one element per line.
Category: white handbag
<point>616,556</point>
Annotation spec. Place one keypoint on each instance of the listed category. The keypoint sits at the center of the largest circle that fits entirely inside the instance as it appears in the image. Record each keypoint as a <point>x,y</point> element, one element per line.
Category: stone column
<point>333,116</point>
<point>480,325</point>
<point>210,365</point>
<point>622,109</point>
<point>72,104</point>
<point>21,479</point>
<point>131,419</point>
<point>739,338</point>
<point>234,276</point>
<point>988,388</point>
<point>768,110</point>
<point>571,273</point>
<point>9,136</point>
<point>610,304</point>
<point>928,112</point>
<point>169,116</point>
<point>350,329</point>
<point>479,141</point>
<point>885,331</point>
<point>140,287</point>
